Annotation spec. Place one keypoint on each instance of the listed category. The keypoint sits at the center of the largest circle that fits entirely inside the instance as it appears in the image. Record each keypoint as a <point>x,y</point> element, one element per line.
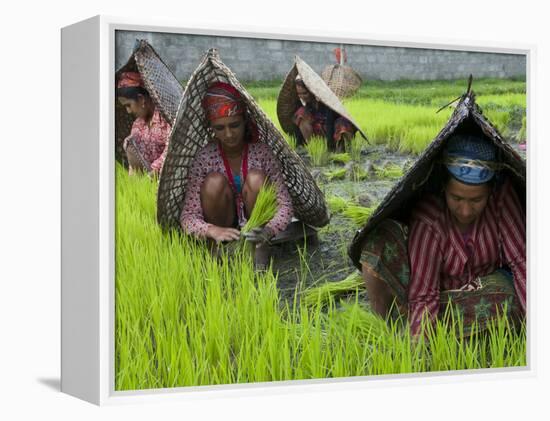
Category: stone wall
<point>264,59</point>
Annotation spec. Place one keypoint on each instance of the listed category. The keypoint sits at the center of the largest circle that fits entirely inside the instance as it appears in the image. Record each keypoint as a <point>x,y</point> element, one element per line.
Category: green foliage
<point>264,209</point>
<point>317,150</point>
<point>358,214</point>
<point>186,318</point>
<point>522,134</point>
<point>390,171</point>
<point>355,146</point>
<point>322,294</point>
<point>338,174</point>
<point>402,114</point>
<point>340,158</point>
<point>337,204</point>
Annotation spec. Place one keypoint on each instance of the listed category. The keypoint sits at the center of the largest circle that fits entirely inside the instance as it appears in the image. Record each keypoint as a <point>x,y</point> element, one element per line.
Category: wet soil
<point>308,263</point>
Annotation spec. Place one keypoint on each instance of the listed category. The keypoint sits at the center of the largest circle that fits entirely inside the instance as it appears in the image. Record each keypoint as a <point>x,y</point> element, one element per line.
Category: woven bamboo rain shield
<point>467,117</point>
<point>191,132</point>
<point>159,81</point>
<point>288,102</point>
<point>342,79</point>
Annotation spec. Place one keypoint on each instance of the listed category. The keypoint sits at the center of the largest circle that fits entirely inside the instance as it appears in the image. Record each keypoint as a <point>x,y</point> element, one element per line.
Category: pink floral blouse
<point>151,139</point>
<point>208,160</point>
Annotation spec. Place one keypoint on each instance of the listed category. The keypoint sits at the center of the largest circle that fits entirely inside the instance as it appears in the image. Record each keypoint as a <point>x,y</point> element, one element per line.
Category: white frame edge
<point>88,335</point>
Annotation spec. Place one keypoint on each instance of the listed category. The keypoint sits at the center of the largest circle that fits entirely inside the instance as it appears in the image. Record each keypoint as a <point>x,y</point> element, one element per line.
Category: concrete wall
<point>262,59</point>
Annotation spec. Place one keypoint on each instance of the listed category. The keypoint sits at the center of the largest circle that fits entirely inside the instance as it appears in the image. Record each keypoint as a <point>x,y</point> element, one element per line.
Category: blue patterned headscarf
<point>470,159</point>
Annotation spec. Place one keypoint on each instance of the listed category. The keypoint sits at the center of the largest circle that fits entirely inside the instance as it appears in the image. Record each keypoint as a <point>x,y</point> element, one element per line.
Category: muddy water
<point>328,260</point>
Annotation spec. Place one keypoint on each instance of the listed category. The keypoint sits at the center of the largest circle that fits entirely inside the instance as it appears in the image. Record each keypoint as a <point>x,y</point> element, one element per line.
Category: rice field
<point>184,317</point>
<point>402,115</point>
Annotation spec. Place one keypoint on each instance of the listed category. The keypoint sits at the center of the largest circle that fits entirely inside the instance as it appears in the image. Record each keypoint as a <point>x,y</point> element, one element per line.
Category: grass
<point>317,150</point>
<point>340,158</point>
<point>264,209</point>
<point>522,134</point>
<point>291,140</point>
<point>390,171</point>
<point>338,174</point>
<point>337,204</point>
<point>358,214</point>
<point>186,318</point>
<point>415,92</point>
<point>355,147</point>
<point>402,114</point>
<point>358,173</point>
<point>322,294</point>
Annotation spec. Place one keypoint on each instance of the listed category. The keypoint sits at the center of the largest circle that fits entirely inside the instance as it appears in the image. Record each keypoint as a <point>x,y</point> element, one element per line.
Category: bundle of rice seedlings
<point>337,204</point>
<point>340,158</point>
<point>317,150</point>
<point>358,214</point>
<point>391,171</point>
<point>264,209</point>
<point>355,147</point>
<point>358,173</point>
<point>522,134</point>
<point>291,140</point>
<point>339,174</point>
<point>321,295</point>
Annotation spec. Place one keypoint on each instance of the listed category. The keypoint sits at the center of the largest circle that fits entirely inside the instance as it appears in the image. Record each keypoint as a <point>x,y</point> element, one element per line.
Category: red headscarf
<point>222,100</point>
<point>130,80</point>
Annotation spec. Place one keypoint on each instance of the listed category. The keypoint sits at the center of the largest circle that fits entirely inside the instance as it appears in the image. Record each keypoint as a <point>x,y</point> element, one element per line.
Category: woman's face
<point>465,202</point>
<point>304,95</point>
<point>229,131</point>
<point>135,107</point>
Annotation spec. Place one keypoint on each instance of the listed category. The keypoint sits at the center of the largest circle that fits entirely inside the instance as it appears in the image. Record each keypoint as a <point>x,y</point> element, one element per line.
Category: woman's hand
<point>259,235</point>
<point>220,234</point>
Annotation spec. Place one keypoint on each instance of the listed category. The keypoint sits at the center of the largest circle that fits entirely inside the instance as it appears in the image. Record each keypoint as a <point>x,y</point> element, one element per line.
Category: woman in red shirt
<point>148,139</point>
<point>228,172</point>
<point>466,245</point>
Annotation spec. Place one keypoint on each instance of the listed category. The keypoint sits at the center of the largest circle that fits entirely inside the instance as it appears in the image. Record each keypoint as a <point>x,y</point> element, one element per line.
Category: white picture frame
<point>88,52</point>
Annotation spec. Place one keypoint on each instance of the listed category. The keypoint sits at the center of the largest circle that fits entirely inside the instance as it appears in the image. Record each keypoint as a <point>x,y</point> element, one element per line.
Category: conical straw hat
<point>288,101</point>
<point>467,117</point>
<point>159,81</point>
<point>191,132</point>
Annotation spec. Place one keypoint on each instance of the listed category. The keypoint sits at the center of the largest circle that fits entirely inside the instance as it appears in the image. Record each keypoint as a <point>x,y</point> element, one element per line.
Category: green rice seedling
<point>390,171</point>
<point>355,147</point>
<point>340,158</point>
<point>415,138</point>
<point>501,120</point>
<point>319,295</point>
<point>358,214</point>
<point>291,140</point>
<point>522,134</point>
<point>386,123</point>
<point>264,209</point>
<point>435,92</point>
<point>317,149</point>
<point>336,204</point>
<point>405,119</point>
<point>338,174</point>
<point>358,173</point>
<point>186,318</point>
<point>503,101</point>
